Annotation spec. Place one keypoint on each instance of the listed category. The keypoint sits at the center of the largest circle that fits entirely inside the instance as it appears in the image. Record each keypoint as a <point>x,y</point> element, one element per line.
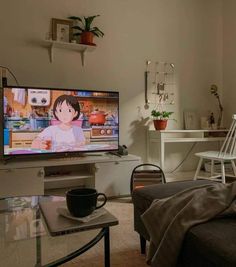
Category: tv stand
<point>107,173</point>
<point>6,160</point>
<point>115,154</point>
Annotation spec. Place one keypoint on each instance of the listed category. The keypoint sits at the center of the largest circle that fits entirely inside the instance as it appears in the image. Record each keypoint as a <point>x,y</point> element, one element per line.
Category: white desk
<point>180,136</point>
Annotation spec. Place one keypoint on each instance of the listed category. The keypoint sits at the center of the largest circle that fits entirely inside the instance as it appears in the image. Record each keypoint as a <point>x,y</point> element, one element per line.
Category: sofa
<point>210,244</point>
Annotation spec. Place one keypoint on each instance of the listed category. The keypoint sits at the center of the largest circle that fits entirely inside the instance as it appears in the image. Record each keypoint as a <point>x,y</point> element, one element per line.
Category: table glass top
<point>24,237</point>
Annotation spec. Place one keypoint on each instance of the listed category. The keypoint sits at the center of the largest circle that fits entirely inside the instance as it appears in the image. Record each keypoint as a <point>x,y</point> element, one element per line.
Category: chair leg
<point>223,171</point>
<point>142,244</point>
<point>212,167</point>
<point>234,167</point>
<point>198,169</point>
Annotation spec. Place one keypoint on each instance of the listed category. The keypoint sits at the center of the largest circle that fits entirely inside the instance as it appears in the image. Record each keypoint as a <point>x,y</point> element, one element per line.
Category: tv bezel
<point>53,154</point>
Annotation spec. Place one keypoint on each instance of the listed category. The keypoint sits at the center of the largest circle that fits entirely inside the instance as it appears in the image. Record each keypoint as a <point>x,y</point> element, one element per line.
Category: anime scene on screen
<point>52,121</point>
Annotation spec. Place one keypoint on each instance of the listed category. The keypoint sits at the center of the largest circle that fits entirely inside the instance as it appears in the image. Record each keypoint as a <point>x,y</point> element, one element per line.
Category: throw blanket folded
<point>167,220</point>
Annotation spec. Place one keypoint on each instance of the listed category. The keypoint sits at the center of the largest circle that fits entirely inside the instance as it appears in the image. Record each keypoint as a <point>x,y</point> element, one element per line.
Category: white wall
<point>186,32</point>
<point>229,60</point>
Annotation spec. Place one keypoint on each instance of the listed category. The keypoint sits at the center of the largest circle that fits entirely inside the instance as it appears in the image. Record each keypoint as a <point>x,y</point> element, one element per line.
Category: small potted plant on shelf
<point>85,29</point>
<point>160,118</point>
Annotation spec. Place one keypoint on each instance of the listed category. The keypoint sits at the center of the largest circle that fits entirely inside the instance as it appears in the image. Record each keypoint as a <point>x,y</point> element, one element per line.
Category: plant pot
<point>87,38</point>
<point>160,124</point>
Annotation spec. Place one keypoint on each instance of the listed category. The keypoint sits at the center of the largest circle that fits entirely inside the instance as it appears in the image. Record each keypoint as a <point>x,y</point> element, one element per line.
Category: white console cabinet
<point>113,178</point>
<point>109,174</point>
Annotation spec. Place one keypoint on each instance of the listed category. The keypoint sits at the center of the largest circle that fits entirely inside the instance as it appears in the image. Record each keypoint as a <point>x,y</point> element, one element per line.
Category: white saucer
<point>63,211</point>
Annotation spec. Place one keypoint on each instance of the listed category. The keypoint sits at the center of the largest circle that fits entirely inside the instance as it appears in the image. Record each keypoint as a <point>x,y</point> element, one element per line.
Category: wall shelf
<point>81,48</point>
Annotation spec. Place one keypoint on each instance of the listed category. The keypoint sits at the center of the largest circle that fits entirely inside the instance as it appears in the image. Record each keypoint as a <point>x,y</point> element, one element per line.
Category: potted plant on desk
<point>160,118</point>
<point>85,30</point>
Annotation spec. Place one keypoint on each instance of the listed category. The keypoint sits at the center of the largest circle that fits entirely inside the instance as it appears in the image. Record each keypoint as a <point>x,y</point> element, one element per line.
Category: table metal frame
<point>105,232</point>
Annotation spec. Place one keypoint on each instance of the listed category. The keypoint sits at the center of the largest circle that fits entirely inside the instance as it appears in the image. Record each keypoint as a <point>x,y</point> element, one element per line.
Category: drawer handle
<point>41,173</point>
<point>96,167</point>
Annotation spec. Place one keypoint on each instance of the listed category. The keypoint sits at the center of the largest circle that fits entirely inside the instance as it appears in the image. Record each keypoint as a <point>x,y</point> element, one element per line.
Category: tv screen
<point>59,121</point>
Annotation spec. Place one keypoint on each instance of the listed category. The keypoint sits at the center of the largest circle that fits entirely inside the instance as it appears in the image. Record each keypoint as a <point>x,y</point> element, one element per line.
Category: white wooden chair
<point>227,153</point>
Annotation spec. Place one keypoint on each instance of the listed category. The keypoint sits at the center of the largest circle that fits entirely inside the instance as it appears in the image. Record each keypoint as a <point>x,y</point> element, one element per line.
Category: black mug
<point>83,201</point>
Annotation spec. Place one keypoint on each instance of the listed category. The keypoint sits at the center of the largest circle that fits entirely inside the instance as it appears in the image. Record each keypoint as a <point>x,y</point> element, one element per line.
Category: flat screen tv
<point>50,121</point>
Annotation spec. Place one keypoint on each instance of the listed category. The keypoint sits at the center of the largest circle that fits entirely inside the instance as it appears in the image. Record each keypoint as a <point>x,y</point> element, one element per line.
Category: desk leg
<point>107,247</point>
<point>147,147</point>
<point>162,153</point>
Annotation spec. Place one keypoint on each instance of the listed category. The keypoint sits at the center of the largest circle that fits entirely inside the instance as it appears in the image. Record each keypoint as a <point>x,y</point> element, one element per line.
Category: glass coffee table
<point>30,237</point>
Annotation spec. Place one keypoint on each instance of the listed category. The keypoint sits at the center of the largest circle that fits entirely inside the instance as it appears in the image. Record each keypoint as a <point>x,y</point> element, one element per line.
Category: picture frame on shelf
<point>62,30</point>
<point>190,120</point>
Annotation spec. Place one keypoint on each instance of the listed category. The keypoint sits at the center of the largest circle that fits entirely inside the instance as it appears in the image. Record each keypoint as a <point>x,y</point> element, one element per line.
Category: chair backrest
<point>229,144</point>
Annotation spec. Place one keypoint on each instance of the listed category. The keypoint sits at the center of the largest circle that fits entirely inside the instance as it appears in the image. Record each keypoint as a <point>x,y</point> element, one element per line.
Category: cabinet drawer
<point>21,182</point>
<point>27,143</point>
<point>113,178</point>
<point>17,144</point>
<point>23,136</point>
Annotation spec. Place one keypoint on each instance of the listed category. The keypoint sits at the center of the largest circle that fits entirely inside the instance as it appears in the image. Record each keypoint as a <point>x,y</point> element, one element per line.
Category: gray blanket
<point>167,220</point>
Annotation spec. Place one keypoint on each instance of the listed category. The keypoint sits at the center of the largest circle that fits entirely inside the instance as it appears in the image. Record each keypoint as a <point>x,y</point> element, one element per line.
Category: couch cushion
<point>210,244</point>
<point>143,197</point>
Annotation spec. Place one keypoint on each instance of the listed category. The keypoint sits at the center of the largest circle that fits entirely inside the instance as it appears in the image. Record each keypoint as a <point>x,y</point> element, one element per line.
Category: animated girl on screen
<point>64,136</point>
